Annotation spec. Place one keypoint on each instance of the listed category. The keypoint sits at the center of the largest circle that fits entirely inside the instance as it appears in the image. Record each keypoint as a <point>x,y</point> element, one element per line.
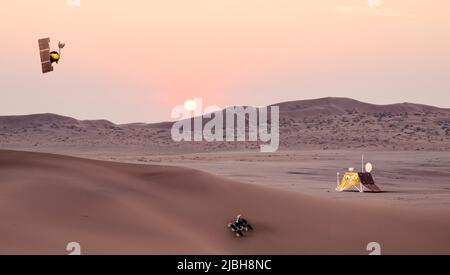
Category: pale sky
<point>130,61</point>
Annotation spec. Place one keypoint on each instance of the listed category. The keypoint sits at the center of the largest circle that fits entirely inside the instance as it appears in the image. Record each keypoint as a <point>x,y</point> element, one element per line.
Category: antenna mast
<point>337,181</point>
<point>362,163</point>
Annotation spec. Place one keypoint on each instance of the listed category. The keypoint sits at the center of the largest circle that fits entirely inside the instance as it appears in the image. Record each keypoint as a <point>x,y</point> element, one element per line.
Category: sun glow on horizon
<point>130,63</point>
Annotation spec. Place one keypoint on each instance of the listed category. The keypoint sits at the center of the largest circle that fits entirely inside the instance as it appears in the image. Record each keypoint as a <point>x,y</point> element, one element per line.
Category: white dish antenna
<point>368,167</point>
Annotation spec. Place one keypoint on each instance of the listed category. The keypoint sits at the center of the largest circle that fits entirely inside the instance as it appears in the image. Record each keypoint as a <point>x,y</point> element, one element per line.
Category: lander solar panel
<point>368,181</point>
<point>44,50</point>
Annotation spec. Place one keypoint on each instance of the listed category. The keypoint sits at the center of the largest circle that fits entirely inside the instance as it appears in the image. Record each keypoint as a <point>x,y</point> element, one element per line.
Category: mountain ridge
<point>324,123</point>
<point>304,104</point>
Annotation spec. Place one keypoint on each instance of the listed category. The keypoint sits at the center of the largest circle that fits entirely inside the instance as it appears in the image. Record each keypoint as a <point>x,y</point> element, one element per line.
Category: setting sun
<point>190,105</point>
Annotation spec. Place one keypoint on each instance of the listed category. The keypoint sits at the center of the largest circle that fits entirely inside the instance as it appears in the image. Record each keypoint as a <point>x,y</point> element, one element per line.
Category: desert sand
<point>129,188</point>
<point>419,179</point>
<point>47,201</point>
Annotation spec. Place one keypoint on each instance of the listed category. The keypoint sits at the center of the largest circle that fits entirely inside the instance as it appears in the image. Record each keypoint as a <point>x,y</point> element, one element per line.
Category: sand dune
<point>48,200</point>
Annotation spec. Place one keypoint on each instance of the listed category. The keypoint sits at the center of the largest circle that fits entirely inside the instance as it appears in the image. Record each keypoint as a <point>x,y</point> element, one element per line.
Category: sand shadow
<point>379,192</point>
<point>298,173</point>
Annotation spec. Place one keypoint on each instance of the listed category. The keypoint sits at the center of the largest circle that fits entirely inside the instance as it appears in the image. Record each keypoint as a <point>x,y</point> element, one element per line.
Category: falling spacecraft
<point>49,57</point>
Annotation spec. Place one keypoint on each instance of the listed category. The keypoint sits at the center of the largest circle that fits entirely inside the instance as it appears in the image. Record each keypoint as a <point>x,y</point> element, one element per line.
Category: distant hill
<point>342,106</point>
<point>325,123</point>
